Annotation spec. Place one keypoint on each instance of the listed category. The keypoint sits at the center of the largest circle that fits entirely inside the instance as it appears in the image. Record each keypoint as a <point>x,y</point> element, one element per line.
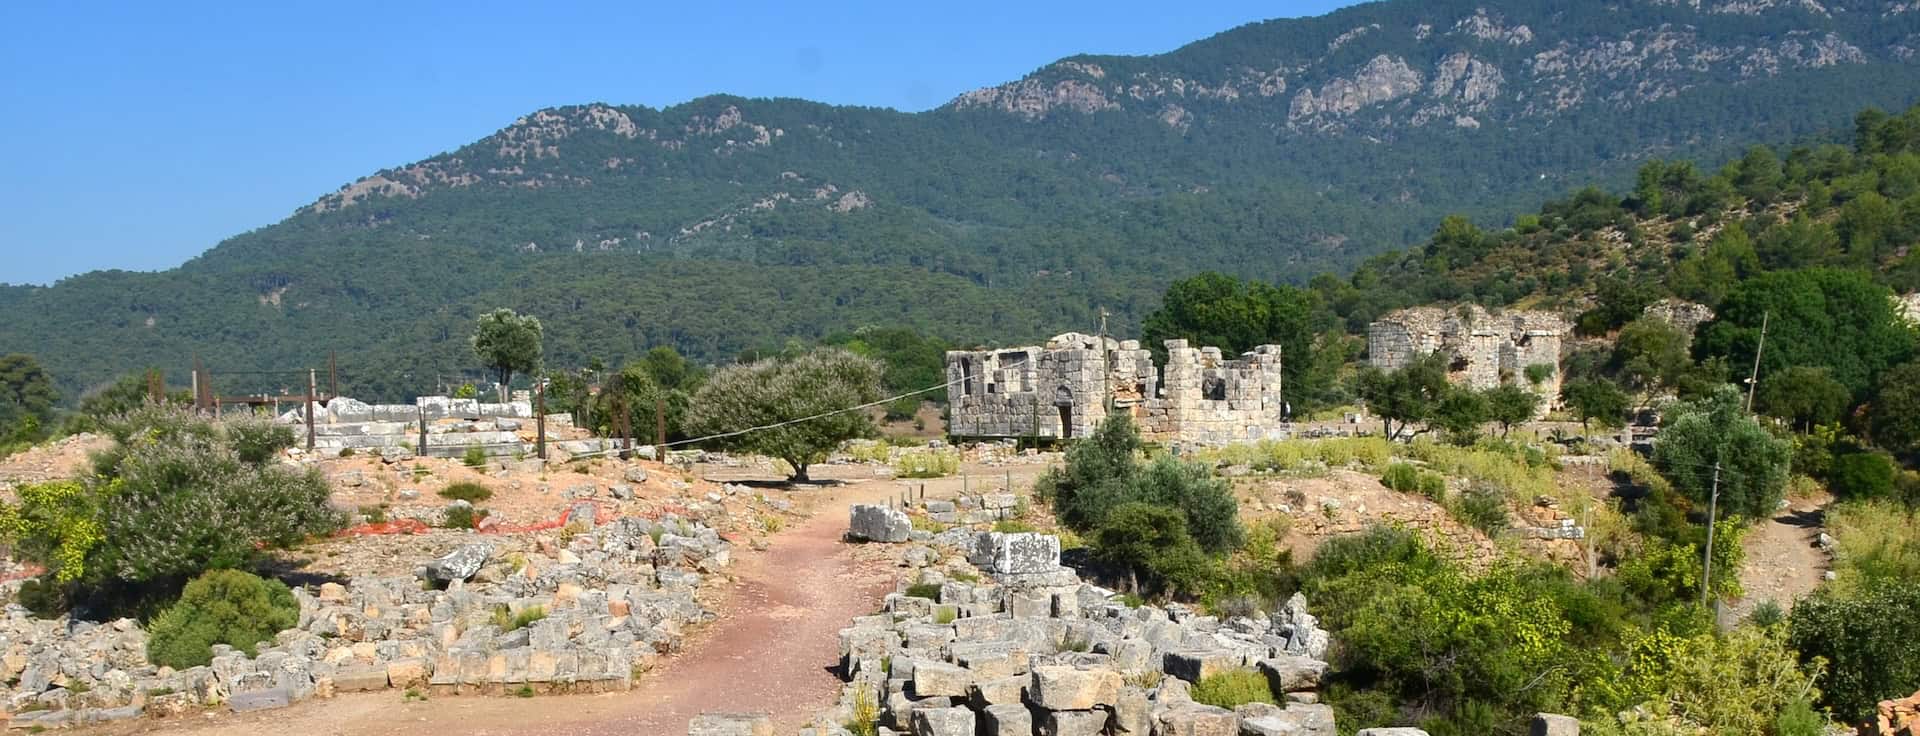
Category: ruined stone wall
<point>1201,398</point>
<point>1485,349</point>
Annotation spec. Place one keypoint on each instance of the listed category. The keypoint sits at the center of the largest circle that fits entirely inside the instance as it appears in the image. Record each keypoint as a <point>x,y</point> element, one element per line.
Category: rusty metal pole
<point>313,387</point>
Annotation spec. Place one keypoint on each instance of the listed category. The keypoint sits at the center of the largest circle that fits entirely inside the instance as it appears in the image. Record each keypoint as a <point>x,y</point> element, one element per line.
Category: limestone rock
<point>1194,719</point>
<point>939,679</point>
<point>1057,687</point>
<point>869,523</point>
<point>459,564</point>
<point>1293,674</point>
<point>1548,724</point>
<point>1402,731</point>
<point>955,721</point>
<point>1006,719</point>
<point>730,724</point>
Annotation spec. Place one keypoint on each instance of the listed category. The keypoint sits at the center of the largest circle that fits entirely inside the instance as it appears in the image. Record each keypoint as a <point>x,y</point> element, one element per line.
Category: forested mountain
<point>1276,151</point>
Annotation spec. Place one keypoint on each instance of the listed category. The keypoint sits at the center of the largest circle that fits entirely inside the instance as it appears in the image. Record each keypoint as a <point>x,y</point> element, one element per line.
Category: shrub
<point>1482,509</point>
<point>474,457</point>
<point>1402,477</point>
<point>1012,526</point>
<point>374,513</point>
<point>1862,475</point>
<point>463,517</point>
<point>1874,541</point>
<point>865,713</point>
<point>506,620</point>
<point>467,491</point>
<point>229,607</point>
<point>1232,689</point>
<point>1866,636</point>
<point>43,597</point>
<point>1433,486</point>
<point>926,463</point>
<point>928,591</point>
<point>176,496</point>
<point>945,615</point>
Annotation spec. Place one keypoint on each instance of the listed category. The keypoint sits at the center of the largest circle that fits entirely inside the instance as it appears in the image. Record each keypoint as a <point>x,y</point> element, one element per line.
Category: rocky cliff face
<point>1445,64</point>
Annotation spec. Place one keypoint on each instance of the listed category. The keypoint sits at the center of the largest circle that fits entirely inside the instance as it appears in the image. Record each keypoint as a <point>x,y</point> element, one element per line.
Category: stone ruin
<point>451,426</point>
<point>1486,349</point>
<point>1063,391</point>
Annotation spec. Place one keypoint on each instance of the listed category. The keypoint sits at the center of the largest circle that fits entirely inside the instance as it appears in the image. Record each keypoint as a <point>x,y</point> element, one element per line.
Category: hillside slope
<point>1277,150</point>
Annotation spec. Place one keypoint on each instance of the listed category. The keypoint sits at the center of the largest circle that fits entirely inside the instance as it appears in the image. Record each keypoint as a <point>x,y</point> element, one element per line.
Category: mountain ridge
<point>1275,150</point>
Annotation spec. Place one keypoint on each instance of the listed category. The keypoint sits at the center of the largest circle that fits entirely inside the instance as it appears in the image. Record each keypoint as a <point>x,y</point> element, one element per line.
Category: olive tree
<point>507,342</point>
<point>762,401</point>
<point>1715,432</point>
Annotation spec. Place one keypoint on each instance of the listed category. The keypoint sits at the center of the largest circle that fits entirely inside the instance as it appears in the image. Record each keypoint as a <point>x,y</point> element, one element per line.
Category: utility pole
<point>1754,381</point>
<point>313,387</point>
<point>1713,512</point>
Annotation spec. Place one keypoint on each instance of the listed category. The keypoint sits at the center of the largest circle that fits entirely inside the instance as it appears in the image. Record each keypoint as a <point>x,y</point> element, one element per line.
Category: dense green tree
<point>1461,413</point>
<point>818,387</point>
<point>1216,310</point>
<point>1895,413</point>
<point>1840,320</point>
<point>1511,405</point>
<point>1407,395</point>
<point>1596,401</point>
<point>507,343</point>
<point>1147,538</point>
<point>1700,435</point>
<point>1804,396</point>
<point>125,394</point>
<point>27,398</point>
<point>913,362</point>
<point>1651,356</point>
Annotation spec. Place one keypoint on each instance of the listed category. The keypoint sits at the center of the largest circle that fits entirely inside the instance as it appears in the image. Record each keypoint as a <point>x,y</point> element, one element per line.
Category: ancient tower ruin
<point>1062,391</point>
<point>1485,349</point>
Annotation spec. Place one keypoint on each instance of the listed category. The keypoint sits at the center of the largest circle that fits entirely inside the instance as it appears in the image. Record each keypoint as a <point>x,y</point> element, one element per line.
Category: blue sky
<point>139,135</point>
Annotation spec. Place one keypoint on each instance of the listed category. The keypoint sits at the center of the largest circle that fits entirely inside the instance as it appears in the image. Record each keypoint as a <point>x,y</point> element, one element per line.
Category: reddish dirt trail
<point>769,651</point>
<point>1782,562</point>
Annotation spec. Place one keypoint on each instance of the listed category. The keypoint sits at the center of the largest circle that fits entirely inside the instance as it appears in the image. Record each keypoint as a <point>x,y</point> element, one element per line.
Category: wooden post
<point>421,411</point>
<point>540,417</point>
<point>659,427</point>
<point>313,387</point>
<point>156,391</point>
<point>333,376</point>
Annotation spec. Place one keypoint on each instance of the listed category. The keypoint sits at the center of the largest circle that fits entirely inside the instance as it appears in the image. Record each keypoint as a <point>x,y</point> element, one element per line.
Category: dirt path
<point>769,651</point>
<point>1782,561</point>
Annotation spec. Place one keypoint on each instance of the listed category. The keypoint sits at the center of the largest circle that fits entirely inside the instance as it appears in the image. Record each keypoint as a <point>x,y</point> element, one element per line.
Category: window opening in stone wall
<point>1214,388</point>
<point>966,376</point>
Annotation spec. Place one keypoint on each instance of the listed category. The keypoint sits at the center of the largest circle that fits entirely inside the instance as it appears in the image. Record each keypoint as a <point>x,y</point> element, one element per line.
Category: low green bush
<point>506,620</point>
<point>229,607</point>
<point>474,457</point>
<point>463,517</point>
<point>467,491</point>
<point>1481,508</point>
<point>1012,526</point>
<point>1402,477</point>
<point>1433,486</point>
<point>1232,689</point>
<point>928,591</point>
<point>1862,475</point>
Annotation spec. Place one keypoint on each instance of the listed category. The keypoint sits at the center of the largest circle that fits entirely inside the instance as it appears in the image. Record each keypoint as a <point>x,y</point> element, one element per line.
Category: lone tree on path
<point>772,391</point>
<point>507,343</point>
